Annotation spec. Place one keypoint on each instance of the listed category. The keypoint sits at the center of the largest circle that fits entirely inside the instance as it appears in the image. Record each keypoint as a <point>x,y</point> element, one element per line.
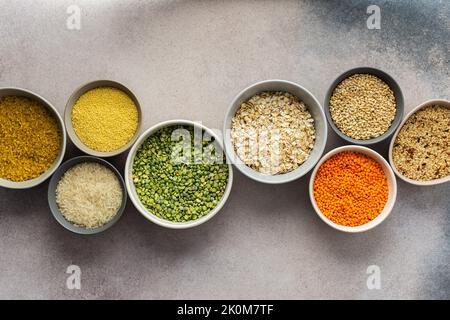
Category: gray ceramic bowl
<point>68,117</point>
<point>52,195</point>
<point>398,99</point>
<point>314,108</point>
<point>38,180</point>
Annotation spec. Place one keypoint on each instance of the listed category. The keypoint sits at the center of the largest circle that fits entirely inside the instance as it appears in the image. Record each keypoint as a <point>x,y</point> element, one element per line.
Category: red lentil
<point>350,189</point>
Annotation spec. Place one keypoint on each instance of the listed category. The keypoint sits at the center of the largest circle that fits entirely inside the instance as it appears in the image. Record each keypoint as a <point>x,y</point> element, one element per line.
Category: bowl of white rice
<point>87,195</point>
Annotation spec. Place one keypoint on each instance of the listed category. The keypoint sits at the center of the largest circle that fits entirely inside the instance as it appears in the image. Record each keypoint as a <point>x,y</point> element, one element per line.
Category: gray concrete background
<point>188,59</point>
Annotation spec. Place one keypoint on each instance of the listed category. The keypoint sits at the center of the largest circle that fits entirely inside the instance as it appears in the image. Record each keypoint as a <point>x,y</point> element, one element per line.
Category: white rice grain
<point>89,195</point>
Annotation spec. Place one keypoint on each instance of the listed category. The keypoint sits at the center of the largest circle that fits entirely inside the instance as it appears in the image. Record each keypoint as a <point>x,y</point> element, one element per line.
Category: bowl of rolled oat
<point>275,131</point>
<point>364,106</point>
<point>419,152</point>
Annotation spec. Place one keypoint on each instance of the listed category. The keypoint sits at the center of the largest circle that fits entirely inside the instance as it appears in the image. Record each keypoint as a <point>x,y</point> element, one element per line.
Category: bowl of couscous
<point>364,106</point>
<point>33,138</point>
<point>103,118</point>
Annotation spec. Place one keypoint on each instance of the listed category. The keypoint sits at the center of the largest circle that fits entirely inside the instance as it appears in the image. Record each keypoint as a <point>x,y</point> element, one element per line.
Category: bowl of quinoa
<point>33,138</point>
<point>419,152</point>
<point>364,106</point>
<point>275,131</point>
<point>177,175</point>
<point>353,189</point>
<point>103,118</point>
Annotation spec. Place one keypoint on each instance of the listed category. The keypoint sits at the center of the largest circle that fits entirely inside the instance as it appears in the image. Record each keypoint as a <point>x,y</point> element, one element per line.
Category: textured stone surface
<point>188,59</point>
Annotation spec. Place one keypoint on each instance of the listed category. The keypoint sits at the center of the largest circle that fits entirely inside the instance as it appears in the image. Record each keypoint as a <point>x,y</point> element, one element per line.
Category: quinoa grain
<point>178,192</point>
<point>421,149</point>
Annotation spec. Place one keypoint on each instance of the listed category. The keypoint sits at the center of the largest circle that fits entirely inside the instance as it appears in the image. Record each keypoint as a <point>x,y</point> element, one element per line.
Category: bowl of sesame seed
<point>364,106</point>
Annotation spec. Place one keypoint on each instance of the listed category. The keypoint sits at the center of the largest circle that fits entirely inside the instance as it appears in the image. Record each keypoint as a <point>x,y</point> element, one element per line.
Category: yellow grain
<point>105,119</point>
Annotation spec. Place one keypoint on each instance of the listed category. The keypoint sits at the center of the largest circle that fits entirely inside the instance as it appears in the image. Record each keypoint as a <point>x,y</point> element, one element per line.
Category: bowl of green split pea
<point>177,174</point>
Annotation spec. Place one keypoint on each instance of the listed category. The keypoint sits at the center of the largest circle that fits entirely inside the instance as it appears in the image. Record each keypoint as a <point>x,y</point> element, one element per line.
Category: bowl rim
<point>62,151</point>
<point>399,99</point>
<point>73,98</point>
<point>253,174</point>
<point>443,102</point>
<point>51,198</point>
<point>390,203</point>
<point>130,185</point>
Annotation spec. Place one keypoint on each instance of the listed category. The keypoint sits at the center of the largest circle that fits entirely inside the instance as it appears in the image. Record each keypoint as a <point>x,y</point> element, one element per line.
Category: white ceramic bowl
<point>392,184</point>
<point>62,149</point>
<point>314,108</point>
<point>132,191</point>
<point>441,102</point>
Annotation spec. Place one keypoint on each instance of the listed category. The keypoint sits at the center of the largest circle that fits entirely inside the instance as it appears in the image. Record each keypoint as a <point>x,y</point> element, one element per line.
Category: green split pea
<point>172,190</point>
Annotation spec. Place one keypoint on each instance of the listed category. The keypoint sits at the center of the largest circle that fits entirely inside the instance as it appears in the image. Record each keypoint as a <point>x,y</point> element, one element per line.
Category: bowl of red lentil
<point>103,118</point>
<point>419,152</point>
<point>353,189</point>
<point>33,139</point>
<point>364,106</point>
